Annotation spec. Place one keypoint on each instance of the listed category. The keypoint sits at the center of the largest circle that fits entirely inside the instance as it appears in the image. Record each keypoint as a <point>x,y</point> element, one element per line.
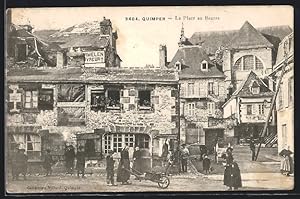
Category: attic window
<point>144,99</point>
<point>255,89</point>
<point>204,65</point>
<point>178,65</point>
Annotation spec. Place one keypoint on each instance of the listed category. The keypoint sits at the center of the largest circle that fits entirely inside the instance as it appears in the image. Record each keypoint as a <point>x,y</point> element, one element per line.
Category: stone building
<point>285,98</point>
<point>100,108</point>
<point>249,106</point>
<point>202,93</point>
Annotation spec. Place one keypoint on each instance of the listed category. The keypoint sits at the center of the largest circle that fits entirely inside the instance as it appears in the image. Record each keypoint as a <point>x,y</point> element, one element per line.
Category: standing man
<point>110,165</point>
<point>137,160</point>
<point>48,161</point>
<point>124,167</point>
<point>80,161</point>
<point>21,164</point>
<point>252,148</point>
<point>184,158</point>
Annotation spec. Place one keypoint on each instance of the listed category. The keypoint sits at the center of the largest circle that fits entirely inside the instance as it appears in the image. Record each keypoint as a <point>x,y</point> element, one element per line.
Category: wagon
<point>160,178</point>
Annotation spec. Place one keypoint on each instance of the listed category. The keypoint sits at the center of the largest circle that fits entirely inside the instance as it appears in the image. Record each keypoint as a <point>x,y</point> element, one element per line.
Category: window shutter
<point>196,89</point>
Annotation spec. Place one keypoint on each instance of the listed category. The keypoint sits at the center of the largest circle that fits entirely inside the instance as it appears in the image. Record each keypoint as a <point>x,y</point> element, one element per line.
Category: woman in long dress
<point>286,161</point>
<point>232,174</point>
<point>123,174</point>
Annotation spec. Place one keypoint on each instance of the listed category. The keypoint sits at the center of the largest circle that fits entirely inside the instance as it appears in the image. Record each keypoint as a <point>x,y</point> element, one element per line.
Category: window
<point>210,88</point>
<point>291,90</point>
<point>71,93</point>
<point>33,142</point>
<point>113,98</point>
<point>117,143</point>
<point>248,62</point>
<point>190,89</point>
<point>249,109</point>
<point>45,99</point>
<point>261,109</point>
<point>204,65</point>
<point>107,143</point>
<point>178,65</point>
<point>191,109</point>
<point>255,90</point>
<point>21,52</point>
<point>129,140</point>
<point>98,100</point>
<point>142,141</point>
<point>31,99</point>
<point>211,108</point>
<point>144,99</point>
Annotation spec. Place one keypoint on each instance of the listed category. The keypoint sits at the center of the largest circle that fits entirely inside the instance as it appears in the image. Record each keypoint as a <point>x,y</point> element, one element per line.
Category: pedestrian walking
<point>170,161</point>
<point>48,162</point>
<point>184,158</point>
<point>232,174</point>
<point>123,174</point>
<point>80,166</point>
<point>110,165</point>
<point>137,161</point>
<point>69,158</point>
<point>252,148</point>
<point>206,164</point>
<point>286,166</point>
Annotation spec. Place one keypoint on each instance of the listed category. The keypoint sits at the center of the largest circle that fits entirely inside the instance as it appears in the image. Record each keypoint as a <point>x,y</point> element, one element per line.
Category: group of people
<point>124,170</point>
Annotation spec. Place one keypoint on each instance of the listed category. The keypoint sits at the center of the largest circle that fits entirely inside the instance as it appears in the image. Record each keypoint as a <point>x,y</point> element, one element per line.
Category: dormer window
<point>204,65</point>
<point>255,89</point>
<point>178,66</point>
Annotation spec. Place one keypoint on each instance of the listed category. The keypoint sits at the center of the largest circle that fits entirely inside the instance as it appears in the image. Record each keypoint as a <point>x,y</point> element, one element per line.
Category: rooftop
<point>97,75</point>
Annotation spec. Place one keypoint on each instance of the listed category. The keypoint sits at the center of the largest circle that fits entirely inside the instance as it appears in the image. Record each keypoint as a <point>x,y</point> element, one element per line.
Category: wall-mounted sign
<point>93,57</point>
<point>15,97</point>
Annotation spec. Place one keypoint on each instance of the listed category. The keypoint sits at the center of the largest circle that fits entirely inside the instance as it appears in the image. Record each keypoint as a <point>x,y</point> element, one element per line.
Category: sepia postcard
<point>149,99</point>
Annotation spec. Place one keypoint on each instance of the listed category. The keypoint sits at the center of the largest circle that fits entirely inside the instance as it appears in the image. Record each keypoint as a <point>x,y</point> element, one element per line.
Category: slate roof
<point>81,40</point>
<point>191,58</point>
<point>100,75</point>
<point>212,40</point>
<point>249,37</point>
<point>253,79</point>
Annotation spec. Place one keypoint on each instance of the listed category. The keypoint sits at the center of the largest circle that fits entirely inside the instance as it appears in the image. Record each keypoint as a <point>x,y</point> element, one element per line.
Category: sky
<point>139,40</point>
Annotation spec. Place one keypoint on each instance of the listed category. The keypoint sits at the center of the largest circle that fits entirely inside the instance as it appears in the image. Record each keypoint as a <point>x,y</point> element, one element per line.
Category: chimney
<point>162,56</point>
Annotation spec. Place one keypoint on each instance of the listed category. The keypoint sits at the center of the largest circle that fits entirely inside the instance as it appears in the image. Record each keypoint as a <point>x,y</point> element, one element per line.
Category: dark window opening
<point>45,99</point>
<point>21,52</point>
<point>204,66</point>
<point>113,97</point>
<point>98,101</point>
<point>249,109</point>
<point>144,99</point>
<point>142,141</point>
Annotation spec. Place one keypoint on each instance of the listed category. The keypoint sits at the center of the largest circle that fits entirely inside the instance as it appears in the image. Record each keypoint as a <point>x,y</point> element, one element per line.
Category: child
<point>110,165</point>
<point>206,164</point>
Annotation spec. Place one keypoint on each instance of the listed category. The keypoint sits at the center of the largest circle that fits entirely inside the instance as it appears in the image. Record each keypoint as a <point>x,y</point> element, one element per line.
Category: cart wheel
<point>164,182</point>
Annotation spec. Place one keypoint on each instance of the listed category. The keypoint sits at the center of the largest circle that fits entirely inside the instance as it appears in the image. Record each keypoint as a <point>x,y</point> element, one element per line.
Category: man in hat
<point>80,161</point>
<point>110,165</point>
<point>184,157</point>
<point>48,162</point>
